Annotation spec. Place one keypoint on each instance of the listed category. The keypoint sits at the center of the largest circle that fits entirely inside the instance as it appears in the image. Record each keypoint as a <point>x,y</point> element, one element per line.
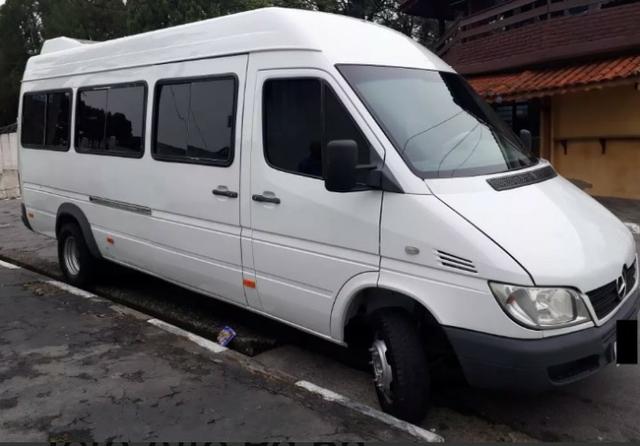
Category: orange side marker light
<point>110,240</point>
<point>30,215</point>
<point>249,283</point>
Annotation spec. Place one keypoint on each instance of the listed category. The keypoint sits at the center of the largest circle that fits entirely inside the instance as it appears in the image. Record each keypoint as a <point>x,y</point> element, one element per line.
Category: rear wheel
<point>401,375</point>
<point>78,265</point>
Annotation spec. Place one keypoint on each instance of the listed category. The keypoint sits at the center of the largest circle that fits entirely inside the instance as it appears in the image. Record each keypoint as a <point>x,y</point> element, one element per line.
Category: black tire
<point>83,272</point>
<point>409,394</point>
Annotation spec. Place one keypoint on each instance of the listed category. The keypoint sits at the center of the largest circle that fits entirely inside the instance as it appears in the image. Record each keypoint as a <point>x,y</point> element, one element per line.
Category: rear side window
<point>110,120</point>
<point>195,121</point>
<point>300,117</point>
<point>45,120</point>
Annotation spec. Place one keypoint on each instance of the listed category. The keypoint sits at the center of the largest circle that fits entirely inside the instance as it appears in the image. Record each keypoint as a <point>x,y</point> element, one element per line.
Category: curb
<point>245,361</point>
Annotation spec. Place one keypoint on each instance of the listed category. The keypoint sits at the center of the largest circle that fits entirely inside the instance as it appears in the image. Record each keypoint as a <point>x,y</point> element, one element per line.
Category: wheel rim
<point>382,373</point>
<point>71,256</point>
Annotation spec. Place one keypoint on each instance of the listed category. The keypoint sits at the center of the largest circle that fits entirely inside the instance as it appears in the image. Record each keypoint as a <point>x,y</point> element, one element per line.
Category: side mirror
<point>340,158</point>
<point>527,142</point>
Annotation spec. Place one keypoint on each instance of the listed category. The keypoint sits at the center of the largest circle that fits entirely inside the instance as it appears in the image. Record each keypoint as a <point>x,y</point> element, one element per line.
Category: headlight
<point>541,308</point>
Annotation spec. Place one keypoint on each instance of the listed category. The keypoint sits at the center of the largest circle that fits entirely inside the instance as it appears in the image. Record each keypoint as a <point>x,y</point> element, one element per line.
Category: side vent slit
<point>455,262</point>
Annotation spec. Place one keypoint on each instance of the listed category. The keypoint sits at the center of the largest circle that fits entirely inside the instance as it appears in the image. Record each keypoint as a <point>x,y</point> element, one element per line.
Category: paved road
<point>78,368</point>
<point>604,407</point>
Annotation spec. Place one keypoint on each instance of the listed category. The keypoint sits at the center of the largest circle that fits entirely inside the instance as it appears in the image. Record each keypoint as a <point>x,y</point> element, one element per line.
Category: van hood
<point>558,233</point>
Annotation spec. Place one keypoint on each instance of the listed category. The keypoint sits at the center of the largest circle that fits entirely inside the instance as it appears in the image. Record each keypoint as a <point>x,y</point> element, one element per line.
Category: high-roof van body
<point>334,175</point>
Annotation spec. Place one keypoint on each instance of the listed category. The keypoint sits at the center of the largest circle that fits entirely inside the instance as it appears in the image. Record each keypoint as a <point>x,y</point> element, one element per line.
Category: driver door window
<point>300,117</point>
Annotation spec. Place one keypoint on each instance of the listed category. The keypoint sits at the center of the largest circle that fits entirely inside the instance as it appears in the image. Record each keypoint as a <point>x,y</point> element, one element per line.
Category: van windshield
<point>438,124</point>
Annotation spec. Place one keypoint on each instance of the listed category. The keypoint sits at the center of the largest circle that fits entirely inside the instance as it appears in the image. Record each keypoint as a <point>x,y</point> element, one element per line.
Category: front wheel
<point>77,264</point>
<point>401,375</point>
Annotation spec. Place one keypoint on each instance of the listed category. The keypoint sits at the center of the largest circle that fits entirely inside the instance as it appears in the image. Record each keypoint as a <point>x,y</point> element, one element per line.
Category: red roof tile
<point>549,81</point>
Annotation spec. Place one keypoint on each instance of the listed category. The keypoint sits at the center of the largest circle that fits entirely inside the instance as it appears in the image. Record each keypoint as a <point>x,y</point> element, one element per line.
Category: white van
<point>336,176</point>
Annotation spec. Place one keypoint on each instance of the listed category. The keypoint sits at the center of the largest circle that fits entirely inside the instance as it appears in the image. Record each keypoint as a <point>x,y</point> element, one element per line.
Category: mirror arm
<point>366,166</point>
<point>379,178</point>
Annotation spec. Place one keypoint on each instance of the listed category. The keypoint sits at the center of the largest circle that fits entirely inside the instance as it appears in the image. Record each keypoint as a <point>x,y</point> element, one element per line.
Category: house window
<point>523,116</point>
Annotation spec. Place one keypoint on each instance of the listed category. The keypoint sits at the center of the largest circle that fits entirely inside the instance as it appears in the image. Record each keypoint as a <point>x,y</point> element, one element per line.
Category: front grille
<point>630,276</point>
<point>605,299</point>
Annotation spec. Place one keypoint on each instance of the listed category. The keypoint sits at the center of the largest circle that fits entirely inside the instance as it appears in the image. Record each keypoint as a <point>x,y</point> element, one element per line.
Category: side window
<point>57,120</point>
<point>338,124</point>
<point>45,120</point>
<point>292,110</point>
<point>300,117</point>
<point>195,121</point>
<point>110,120</point>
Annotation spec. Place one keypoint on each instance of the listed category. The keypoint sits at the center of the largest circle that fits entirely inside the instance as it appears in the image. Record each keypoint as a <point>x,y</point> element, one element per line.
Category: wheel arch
<point>363,295</point>
<point>71,213</point>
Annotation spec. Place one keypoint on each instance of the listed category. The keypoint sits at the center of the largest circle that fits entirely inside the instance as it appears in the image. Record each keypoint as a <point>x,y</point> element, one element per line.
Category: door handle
<point>224,192</point>
<point>265,199</point>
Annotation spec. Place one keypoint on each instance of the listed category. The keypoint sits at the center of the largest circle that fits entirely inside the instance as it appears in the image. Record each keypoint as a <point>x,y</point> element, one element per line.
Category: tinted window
<point>45,120</point>
<point>110,120</point>
<point>90,119</point>
<point>300,117</point>
<point>33,111</point>
<point>57,121</point>
<point>293,125</point>
<point>195,121</point>
<point>339,125</point>
<point>125,119</point>
<point>171,112</point>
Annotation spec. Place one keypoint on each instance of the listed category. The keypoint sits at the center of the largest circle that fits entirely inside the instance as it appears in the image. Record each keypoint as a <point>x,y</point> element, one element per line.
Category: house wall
<point>9,166</point>
<point>613,111</point>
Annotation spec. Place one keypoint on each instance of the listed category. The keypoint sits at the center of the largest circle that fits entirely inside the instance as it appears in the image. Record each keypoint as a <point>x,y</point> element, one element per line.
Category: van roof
<point>341,39</point>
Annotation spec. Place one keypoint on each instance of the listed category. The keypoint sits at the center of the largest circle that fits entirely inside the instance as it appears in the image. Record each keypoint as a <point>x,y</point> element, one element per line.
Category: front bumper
<point>490,361</point>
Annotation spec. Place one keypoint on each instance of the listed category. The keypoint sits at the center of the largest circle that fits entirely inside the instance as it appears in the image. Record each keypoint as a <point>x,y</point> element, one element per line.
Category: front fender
<point>344,298</point>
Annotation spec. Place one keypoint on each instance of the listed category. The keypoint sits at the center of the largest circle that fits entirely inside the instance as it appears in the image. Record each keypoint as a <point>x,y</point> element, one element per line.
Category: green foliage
<point>25,24</point>
<point>84,19</point>
<point>20,38</point>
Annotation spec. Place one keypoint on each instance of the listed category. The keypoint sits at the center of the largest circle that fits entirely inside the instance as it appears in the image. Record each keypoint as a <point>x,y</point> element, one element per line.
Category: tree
<point>24,24</point>
<point>84,19</point>
<point>147,15</point>
<point>20,38</point>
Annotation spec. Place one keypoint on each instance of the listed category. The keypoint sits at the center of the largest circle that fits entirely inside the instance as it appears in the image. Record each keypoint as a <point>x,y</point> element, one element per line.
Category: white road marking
<point>633,227</point>
<point>73,290</point>
<point>8,265</point>
<point>202,342</point>
<point>412,429</point>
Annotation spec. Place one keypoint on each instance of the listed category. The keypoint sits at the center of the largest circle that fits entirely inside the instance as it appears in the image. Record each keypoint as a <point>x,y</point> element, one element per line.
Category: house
<point>567,70</point>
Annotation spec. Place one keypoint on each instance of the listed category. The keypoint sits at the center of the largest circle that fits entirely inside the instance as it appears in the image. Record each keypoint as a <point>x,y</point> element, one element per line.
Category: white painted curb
<point>73,290</point>
<point>202,342</point>
<point>216,348</point>
<point>8,265</point>
<point>412,429</point>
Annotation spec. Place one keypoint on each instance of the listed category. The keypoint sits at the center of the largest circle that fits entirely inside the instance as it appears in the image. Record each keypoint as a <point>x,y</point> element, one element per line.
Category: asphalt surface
<point>79,369</point>
<point>603,407</point>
